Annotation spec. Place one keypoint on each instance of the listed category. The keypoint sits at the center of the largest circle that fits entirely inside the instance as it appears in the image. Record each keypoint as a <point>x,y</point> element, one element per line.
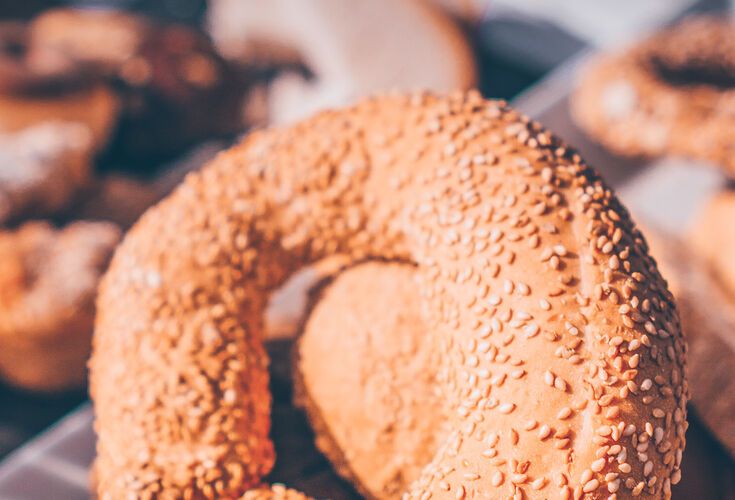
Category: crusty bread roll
<point>366,374</point>
<point>562,359</point>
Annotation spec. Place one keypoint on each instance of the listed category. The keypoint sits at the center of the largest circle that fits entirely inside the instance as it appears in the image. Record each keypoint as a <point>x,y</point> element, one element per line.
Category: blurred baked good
<point>365,373</point>
<point>175,89</point>
<point>48,283</point>
<point>712,235</point>
<point>31,92</point>
<point>94,106</point>
<point>42,168</point>
<point>670,94</point>
<point>352,49</point>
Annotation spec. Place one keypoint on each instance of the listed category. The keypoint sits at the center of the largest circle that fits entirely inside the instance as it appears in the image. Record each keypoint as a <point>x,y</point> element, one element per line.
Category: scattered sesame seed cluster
<point>562,360</point>
<point>671,94</point>
<point>48,284</point>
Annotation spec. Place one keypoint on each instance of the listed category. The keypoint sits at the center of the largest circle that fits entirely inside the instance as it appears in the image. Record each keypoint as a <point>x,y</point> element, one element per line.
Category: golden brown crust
<point>671,94</point>
<point>551,316</point>
<point>42,168</point>
<point>48,283</point>
<point>365,373</point>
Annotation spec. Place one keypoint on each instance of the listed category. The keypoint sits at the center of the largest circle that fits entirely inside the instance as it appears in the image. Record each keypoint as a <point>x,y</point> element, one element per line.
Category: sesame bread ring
<point>712,236</point>
<point>366,374</point>
<point>547,310</point>
<point>673,93</point>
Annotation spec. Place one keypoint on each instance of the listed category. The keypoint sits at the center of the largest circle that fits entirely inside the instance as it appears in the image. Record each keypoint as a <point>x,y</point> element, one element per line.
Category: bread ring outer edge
<point>552,314</point>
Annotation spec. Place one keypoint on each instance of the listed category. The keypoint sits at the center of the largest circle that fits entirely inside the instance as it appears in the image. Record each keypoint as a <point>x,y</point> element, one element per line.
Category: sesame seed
<point>561,443</point>
<point>560,384</point>
<point>513,436</point>
<point>518,478</point>
<point>497,478</point>
<point>598,465</point>
<point>544,432</point>
<point>564,413</point>
<point>586,476</point>
<point>530,425</point>
<point>591,486</point>
<point>506,408</point>
<point>459,494</point>
<point>613,486</point>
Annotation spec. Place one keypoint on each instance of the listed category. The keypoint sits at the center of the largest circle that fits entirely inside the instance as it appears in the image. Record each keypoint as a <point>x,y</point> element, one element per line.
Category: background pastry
<point>42,168</point>
<point>342,44</point>
<point>670,94</point>
<point>48,284</point>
